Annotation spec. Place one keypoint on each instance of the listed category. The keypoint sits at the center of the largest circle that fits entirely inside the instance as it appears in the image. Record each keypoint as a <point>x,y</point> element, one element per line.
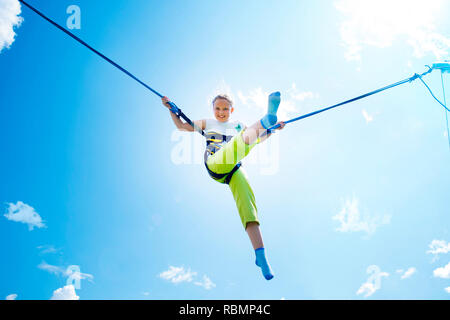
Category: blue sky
<point>353,203</point>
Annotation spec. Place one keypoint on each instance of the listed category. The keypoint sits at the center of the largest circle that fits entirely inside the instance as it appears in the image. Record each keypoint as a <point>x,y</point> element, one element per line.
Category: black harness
<point>218,176</point>
<point>212,148</point>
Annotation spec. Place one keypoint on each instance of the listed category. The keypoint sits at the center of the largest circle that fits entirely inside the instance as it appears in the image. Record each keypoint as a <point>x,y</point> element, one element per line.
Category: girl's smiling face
<point>222,110</point>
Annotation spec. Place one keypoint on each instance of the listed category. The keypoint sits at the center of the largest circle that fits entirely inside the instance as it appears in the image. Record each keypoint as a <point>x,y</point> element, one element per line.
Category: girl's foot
<point>271,117</point>
<point>261,262</point>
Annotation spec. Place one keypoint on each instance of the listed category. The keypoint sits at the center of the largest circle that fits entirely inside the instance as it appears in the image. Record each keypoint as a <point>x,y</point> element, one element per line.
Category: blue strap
<point>445,103</point>
<point>174,108</point>
<point>432,94</point>
<point>410,79</point>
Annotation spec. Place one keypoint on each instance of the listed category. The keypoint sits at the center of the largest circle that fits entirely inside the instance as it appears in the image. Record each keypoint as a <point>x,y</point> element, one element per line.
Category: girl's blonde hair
<point>223,96</point>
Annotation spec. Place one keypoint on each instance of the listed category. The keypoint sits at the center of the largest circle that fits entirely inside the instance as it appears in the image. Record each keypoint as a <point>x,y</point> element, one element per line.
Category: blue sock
<point>271,117</point>
<point>261,262</point>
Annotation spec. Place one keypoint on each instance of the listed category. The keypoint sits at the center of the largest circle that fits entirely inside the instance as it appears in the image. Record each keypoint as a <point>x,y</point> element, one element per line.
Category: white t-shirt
<point>228,128</point>
<point>217,133</point>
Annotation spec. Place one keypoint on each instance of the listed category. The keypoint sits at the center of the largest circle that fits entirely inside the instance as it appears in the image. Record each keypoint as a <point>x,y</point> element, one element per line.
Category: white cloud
<point>438,247</point>
<point>180,274</point>
<point>51,269</point>
<point>177,274</point>
<point>443,272</point>
<point>205,283</point>
<point>447,289</point>
<point>9,19</point>
<point>46,249</point>
<point>353,221</point>
<point>21,212</point>
<point>297,95</point>
<point>379,23</point>
<point>408,273</point>
<point>257,98</point>
<point>66,272</point>
<point>11,297</point>
<point>65,293</point>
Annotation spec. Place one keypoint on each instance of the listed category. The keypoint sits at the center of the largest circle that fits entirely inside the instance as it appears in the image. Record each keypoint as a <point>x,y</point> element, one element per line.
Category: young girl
<point>228,142</point>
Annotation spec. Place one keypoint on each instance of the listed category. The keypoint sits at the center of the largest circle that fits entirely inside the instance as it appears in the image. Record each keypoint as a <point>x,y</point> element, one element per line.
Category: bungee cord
<point>174,108</point>
<point>410,79</point>
<point>446,111</point>
<point>443,67</point>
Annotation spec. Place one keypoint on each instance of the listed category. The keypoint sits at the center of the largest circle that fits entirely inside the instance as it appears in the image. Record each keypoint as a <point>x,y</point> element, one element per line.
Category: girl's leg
<point>224,160</point>
<point>244,198</point>
<point>252,133</point>
<point>246,205</point>
<point>254,233</point>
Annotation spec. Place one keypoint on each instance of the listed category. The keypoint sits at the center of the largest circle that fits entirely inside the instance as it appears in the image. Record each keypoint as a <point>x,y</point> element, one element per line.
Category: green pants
<point>224,161</point>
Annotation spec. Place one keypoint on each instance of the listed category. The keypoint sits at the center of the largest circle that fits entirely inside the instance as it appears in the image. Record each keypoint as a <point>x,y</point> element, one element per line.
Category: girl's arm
<point>183,126</point>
